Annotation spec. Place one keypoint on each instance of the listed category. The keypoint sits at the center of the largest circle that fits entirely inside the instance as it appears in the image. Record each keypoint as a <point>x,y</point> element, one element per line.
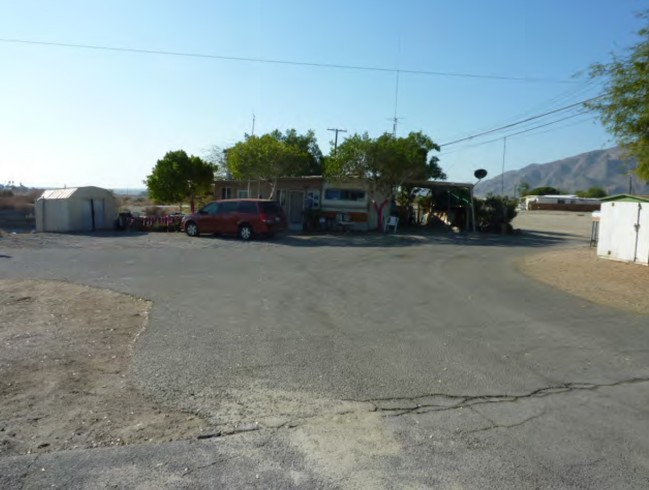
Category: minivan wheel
<point>245,232</point>
<point>191,229</point>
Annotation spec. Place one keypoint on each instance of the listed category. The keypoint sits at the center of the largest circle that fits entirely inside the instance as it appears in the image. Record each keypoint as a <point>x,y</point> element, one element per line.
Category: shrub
<point>154,211</point>
<point>495,213</point>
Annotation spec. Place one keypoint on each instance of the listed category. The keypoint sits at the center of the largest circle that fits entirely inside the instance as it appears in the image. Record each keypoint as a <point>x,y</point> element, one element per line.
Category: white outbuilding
<point>624,229</point>
<point>75,209</point>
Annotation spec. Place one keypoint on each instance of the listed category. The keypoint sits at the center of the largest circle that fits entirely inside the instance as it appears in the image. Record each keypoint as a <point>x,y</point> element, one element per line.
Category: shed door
<point>619,231</point>
<point>643,234</point>
<point>86,215</point>
<point>99,213</point>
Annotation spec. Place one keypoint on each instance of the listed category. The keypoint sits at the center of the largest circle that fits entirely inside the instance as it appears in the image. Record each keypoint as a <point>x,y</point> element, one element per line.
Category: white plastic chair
<point>391,221</point>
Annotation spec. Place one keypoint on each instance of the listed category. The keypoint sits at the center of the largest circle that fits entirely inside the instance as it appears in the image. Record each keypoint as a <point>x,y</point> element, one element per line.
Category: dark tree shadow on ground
<point>524,239</point>
<point>113,233</point>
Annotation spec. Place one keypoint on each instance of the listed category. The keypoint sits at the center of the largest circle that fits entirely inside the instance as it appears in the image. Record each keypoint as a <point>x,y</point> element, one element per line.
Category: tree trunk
<point>379,212</point>
<point>273,186</point>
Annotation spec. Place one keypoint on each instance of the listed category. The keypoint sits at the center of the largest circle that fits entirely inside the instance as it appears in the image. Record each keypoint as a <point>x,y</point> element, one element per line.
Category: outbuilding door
<point>295,209</point>
<point>92,214</point>
<point>86,215</point>
<point>642,247</point>
<point>624,232</point>
<point>98,208</point>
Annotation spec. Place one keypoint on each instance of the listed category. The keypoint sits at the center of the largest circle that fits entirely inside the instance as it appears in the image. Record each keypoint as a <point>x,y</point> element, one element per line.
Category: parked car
<point>244,218</point>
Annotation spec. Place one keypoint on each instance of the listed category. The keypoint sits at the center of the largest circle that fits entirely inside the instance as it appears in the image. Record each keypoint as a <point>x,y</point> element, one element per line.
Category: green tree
<point>265,158</point>
<point>386,162</point>
<point>543,191</point>
<point>494,214</point>
<point>523,189</point>
<point>178,177</point>
<point>624,107</point>
<point>311,158</point>
<point>592,192</point>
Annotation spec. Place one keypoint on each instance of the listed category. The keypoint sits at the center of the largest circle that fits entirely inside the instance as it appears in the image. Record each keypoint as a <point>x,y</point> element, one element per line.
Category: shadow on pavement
<point>110,233</point>
<point>525,239</point>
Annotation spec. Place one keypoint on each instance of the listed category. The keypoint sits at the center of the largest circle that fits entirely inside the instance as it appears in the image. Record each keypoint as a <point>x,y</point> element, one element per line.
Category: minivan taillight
<point>265,219</point>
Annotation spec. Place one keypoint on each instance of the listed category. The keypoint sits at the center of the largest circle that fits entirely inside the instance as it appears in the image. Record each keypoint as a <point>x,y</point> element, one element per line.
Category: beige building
<point>75,209</point>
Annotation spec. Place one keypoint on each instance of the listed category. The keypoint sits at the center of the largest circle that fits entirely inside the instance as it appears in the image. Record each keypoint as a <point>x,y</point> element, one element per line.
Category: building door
<point>295,209</point>
<point>99,211</point>
<point>642,234</point>
<point>86,215</point>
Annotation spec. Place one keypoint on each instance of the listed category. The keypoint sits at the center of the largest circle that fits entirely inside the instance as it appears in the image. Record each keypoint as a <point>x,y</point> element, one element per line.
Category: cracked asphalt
<point>359,362</point>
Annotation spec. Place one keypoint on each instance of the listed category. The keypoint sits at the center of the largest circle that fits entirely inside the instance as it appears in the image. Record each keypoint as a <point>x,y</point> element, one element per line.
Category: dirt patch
<point>65,352</point>
<point>580,272</point>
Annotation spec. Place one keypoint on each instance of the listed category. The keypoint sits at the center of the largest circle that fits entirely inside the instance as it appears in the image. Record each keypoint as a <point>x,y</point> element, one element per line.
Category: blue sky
<point>85,117</point>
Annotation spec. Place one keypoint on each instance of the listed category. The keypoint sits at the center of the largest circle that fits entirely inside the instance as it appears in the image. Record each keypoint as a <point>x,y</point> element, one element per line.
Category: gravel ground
<point>65,382</point>
<point>577,269</point>
<point>580,272</point>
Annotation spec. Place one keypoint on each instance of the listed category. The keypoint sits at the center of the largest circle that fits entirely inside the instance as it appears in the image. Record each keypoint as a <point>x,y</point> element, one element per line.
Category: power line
<point>562,98</point>
<point>510,135</point>
<point>507,126</point>
<point>286,62</point>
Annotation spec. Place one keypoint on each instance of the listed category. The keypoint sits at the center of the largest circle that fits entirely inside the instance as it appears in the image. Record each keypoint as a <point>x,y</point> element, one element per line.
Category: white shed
<point>75,209</point>
<point>624,229</point>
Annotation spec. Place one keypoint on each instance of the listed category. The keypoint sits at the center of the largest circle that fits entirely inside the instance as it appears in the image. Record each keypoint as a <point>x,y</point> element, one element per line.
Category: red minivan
<point>242,217</point>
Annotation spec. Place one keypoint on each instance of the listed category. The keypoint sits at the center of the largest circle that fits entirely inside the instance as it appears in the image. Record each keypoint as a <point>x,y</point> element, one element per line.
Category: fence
<point>537,206</point>
<point>149,223</point>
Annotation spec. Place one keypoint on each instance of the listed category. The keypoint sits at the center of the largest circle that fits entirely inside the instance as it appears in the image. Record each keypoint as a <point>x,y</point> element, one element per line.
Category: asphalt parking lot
<point>359,361</point>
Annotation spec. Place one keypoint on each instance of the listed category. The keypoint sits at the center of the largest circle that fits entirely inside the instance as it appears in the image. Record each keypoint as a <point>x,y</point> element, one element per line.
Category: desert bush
<point>154,211</point>
<point>21,203</point>
<point>495,213</point>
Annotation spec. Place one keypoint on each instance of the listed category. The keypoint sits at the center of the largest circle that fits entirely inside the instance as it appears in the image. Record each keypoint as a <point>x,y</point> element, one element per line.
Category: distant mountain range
<point>599,168</point>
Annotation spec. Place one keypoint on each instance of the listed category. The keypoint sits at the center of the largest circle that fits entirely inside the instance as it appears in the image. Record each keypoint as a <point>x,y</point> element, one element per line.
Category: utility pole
<point>336,130</point>
<point>253,124</point>
<point>396,104</point>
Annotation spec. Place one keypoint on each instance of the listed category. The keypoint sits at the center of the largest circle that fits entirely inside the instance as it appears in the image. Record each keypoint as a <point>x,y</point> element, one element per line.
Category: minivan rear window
<point>270,207</point>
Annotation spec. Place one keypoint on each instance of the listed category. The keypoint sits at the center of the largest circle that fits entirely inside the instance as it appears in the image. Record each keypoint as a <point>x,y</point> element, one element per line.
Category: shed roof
<point>80,192</point>
<point>59,193</point>
<point>626,198</point>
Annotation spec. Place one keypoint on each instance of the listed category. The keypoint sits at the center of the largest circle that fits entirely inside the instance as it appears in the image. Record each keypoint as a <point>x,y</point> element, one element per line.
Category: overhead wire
<point>524,131</point>
<point>285,62</point>
<point>550,103</point>
<point>517,123</point>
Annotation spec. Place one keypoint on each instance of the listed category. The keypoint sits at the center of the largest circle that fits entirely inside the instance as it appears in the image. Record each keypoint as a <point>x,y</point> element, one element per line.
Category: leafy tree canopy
<point>387,161</point>
<point>178,177</point>
<point>624,108</point>
<point>265,157</point>
<point>524,188</point>
<point>311,157</point>
<point>592,192</point>
<point>543,191</point>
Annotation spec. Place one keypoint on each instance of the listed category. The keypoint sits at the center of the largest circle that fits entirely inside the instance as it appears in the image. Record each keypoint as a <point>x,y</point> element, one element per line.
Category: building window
<point>333,194</point>
<point>281,198</point>
<point>226,193</point>
<point>242,193</point>
<point>312,199</point>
